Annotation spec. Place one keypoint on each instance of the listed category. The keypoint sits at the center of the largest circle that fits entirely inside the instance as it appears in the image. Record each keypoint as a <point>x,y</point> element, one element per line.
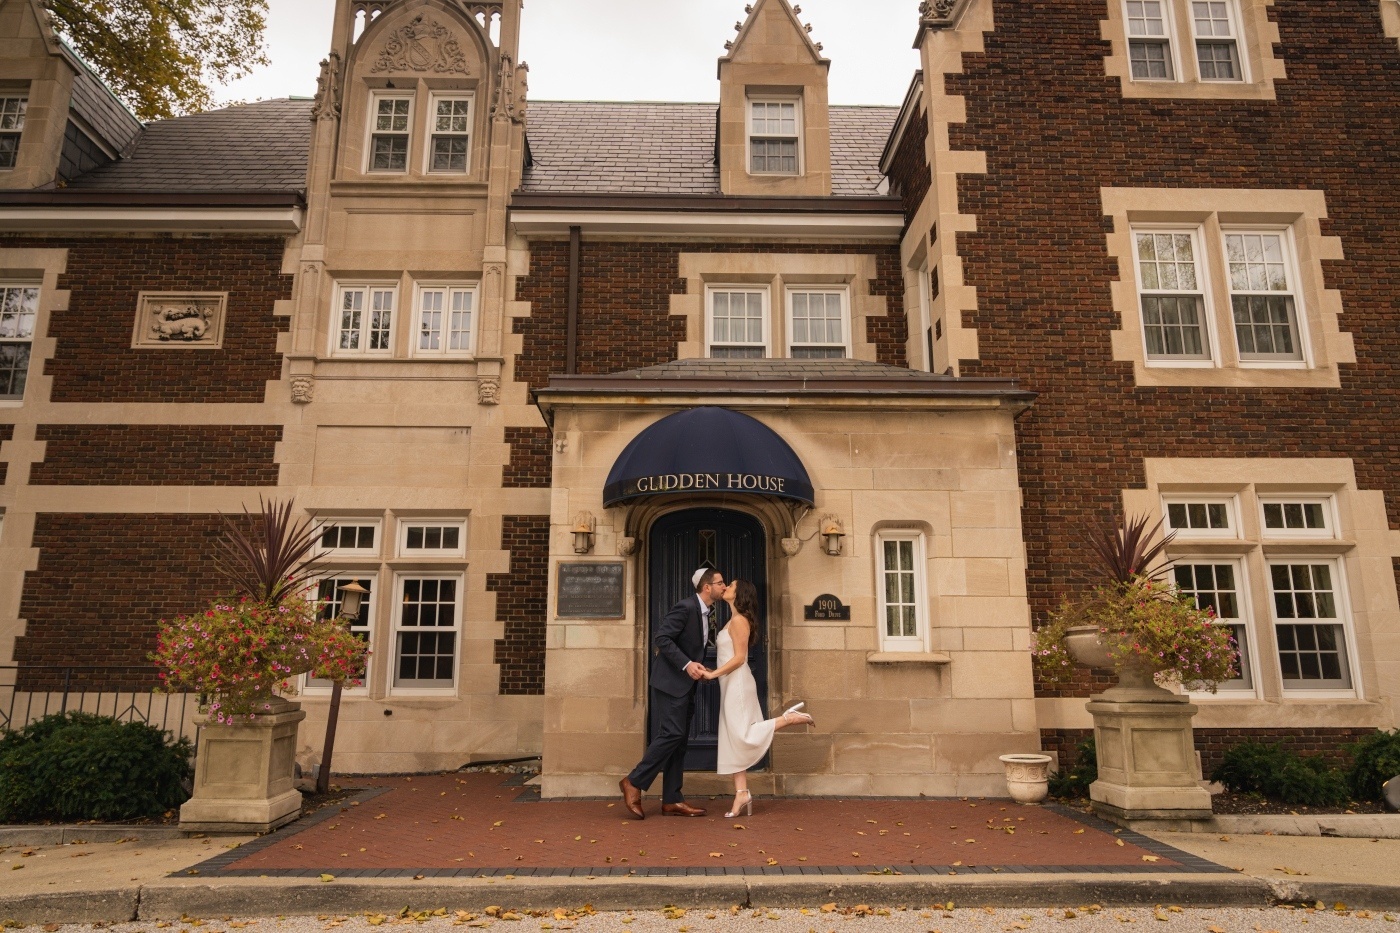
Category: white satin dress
<point>744,735</point>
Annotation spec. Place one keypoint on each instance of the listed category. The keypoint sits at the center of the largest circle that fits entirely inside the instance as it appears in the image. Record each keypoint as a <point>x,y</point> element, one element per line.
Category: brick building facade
<point>1087,268</point>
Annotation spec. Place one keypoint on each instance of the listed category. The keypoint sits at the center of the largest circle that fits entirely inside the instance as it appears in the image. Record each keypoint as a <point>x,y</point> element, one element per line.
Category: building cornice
<point>156,212</point>
<point>708,215</point>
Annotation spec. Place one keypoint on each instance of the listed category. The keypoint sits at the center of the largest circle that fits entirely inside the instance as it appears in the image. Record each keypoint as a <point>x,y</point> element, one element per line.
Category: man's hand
<point>696,670</point>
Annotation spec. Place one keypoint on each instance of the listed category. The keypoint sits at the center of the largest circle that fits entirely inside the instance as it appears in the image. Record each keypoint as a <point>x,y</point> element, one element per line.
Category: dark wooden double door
<point>732,543</point>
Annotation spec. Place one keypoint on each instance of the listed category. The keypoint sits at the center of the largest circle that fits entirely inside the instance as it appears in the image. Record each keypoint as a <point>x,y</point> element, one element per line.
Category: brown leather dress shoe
<point>631,799</point>
<point>681,809</point>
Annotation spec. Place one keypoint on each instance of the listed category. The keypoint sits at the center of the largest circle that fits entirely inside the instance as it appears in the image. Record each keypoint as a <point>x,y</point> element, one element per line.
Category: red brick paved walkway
<point>464,823</point>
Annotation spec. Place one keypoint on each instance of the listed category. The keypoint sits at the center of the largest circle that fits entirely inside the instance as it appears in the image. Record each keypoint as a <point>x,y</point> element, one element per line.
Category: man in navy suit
<point>675,669</point>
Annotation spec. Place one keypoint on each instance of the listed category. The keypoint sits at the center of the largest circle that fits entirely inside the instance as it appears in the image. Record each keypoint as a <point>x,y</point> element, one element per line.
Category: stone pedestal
<point>1147,760</point>
<point>244,773</point>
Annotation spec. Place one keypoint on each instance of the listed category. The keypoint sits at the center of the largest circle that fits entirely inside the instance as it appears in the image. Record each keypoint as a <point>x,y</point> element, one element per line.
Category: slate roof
<point>97,105</point>
<point>664,148</point>
<point>252,147</point>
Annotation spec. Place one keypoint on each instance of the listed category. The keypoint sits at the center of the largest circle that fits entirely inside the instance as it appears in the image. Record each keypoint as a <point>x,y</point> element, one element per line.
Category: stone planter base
<point>244,773</point>
<point>1147,763</point>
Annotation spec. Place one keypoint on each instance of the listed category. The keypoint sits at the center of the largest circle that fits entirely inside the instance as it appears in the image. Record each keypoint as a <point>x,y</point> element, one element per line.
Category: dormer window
<point>12,111</point>
<point>775,132</point>
<point>390,121</point>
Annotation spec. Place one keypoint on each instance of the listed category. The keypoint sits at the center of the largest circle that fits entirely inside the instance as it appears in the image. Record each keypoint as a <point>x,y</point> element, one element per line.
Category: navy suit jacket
<point>680,639</point>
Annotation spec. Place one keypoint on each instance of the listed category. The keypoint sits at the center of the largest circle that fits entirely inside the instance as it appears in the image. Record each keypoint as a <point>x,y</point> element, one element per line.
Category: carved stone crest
<point>626,547</point>
<point>422,44</point>
<point>180,319</point>
<point>488,392</point>
<point>327,104</point>
<point>303,389</point>
<point>791,546</point>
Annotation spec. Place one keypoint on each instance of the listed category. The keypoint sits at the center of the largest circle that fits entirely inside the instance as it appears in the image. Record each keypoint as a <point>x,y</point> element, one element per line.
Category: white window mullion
<point>449,142</point>
<point>1216,27</point>
<point>366,319</point>
<point>1172,296</point>
<point>427,633</point>
<point>1219,585</point>
<point>738,325</point>
<point>1150,47</point>
<point>818,324</point>
<point>1311,625</point>
<point>1263,299</point>
<point>330,594</point>
<point>775,137</point>
<point>19,309</point>
<point>445,320</point>
<point>902,591</point>
<point>13,111</point>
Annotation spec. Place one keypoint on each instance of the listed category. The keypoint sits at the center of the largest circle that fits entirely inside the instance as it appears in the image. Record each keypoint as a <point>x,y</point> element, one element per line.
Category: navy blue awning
<point>707,451</point>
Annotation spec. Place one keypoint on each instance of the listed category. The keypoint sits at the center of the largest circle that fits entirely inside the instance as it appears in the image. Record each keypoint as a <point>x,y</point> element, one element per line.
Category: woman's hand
<point>711,675</point>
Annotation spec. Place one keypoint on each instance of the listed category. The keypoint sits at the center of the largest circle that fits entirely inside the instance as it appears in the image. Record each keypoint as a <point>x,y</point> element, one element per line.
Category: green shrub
<point>1375,760</point>
<point>1074,782</point>
<point>78,766</point>
<point>1281,775</point>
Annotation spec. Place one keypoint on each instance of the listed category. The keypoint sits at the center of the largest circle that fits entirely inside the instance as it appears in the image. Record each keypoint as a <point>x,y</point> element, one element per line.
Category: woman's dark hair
<point>746,605</point>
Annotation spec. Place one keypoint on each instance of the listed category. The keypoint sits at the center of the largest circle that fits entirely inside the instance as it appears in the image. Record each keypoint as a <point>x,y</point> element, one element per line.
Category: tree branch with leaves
<point>163,57</point>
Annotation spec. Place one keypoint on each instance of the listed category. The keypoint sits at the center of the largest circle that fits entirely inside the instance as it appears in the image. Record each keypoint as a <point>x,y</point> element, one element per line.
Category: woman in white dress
<point>744,735</point>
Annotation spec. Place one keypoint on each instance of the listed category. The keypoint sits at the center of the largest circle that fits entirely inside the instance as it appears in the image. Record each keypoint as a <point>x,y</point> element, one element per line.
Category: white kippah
<point>695,580</point>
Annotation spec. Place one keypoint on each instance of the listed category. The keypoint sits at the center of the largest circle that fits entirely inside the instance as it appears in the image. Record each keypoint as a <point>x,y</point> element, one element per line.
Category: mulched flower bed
<point>1250,804</point>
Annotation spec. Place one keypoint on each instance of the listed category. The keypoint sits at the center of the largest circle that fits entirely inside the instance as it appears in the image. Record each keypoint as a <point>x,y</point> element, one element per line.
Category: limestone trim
<point>1255,37</point>
<point>1390,18</point>
<point>930,240</point>
<point>1209,213</point>
<point>1363,550</point>
<point>776,274</point>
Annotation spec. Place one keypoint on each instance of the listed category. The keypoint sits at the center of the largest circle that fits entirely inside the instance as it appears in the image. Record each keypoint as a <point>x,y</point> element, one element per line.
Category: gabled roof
<point>786,9</point>
<point>95,103</point>
<point>665,148</point>
<point>252,147</point>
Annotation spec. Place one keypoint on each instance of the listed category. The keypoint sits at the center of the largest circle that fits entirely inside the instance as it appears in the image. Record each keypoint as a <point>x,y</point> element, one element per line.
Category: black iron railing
<point>29,692</point>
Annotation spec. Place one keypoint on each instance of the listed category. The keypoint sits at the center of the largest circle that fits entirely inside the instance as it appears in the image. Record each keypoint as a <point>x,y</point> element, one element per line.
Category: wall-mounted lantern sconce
<point>832,533</point>
<point>583,532</point>
<point>352,594</point>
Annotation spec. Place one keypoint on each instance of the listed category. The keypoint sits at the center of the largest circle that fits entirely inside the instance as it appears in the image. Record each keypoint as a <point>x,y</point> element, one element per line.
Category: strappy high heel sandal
<point>746,807</point>
<point>795,710</point>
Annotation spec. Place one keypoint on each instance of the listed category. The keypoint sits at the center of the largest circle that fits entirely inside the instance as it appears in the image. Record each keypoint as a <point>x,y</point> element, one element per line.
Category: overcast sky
<point>630,49</point>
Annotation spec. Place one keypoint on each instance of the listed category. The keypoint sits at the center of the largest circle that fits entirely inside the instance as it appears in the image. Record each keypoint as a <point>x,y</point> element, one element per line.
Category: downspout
<point>571,340</point>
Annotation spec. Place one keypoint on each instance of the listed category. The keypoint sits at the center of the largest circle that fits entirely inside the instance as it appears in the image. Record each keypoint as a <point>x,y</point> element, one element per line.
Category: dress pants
<point>670,737</point>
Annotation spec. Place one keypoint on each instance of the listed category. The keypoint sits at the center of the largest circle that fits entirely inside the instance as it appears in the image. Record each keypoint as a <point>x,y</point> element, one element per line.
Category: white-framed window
<point>12,114</point>
<point>1311,624</point>
<point>1150,53</point>
<point>19,309</point>
<point>775,137</point>
<point>902,590</point>
<point>449,135</point>
<point>818,327</point>
<point>1172,296</point>
<point>1297,517</point>
<point>349,537</point>
<point>390,132</point>
<point>738,322</point>
<point>365,319</point>
<point>1216,26</point>
<point>432,537</point>
<point>1219,585</point>
<point>427,626</point>
<point>1202,516</point>
<point>446,320</point>
<point>329,594</point>
<point>1263,296</point>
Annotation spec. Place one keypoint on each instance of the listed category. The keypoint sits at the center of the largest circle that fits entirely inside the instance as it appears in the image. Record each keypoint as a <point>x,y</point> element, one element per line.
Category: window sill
<point>908,657</point>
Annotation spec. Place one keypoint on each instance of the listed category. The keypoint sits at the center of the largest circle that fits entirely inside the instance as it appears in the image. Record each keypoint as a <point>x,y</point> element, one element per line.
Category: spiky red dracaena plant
<point>1126,550</point>
<point>266,557</point>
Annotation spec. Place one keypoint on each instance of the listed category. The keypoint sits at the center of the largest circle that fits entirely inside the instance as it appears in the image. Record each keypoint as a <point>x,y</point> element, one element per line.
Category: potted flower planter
<point>1027,777</point>
<point>244,772</point>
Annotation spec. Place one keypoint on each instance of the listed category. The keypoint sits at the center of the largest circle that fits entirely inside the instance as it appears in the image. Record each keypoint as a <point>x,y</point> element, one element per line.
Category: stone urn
<point>1027,777</point>
<point>1146,749</point>
<point>244,773</point>
<point>1390,790</point>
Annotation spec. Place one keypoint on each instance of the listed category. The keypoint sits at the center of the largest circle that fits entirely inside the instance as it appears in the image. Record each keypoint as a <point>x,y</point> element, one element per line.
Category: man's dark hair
<point>707,578</point>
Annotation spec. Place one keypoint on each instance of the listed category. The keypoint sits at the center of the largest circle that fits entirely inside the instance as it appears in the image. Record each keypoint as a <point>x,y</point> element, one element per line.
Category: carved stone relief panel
<point>421,45</point>
<point>180,320</point>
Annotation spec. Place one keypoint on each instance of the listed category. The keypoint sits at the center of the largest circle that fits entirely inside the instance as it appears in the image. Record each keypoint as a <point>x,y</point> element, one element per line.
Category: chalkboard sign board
<point>825,608</point>
<point>590,590</point>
